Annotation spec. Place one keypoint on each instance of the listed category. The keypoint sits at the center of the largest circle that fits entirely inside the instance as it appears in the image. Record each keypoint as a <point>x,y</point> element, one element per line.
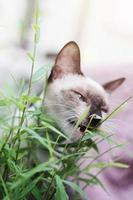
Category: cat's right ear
<point>67,62</point>
<point>113,85</point>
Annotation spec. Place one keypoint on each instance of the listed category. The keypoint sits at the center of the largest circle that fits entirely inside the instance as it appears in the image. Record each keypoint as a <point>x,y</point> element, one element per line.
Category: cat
<point>70,93</point>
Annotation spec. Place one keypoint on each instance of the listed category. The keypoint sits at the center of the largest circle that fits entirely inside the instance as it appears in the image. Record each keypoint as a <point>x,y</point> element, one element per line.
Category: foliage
<point>37,161</point>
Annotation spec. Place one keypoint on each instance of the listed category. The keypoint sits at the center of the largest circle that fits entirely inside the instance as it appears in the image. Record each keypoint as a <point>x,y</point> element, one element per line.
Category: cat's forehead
<point>79,82</point>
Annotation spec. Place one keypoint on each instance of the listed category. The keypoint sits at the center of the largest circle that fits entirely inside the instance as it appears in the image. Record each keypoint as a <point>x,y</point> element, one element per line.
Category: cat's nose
<point>91,122</point>
<point>95,120</point>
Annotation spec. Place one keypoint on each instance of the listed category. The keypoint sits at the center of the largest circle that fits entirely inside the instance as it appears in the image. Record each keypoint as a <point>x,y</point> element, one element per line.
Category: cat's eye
<point>80,96</point>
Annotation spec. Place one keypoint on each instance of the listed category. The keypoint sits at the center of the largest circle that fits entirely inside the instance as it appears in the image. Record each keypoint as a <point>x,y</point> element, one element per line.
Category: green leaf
<point>5,188</point>
<point>5,102</point>
<point>40,139</point>
<point>87,143</point>
<point>36,193</point>
<point>40,73</point>
<point>76,188</point>
<point>36,27</point>
<point>97,180</point>
<point>30,56</point>
<point>54,129</point>
<point>105,136</point>
<point>82,117</point>
<point>60,190</point>
<point>43,167</point>
<point>92,180</point>
<point>109,164</point>
<point>28,187</point>
<point>89,135</point>
<point>116,109</point>
<point>32,99</point>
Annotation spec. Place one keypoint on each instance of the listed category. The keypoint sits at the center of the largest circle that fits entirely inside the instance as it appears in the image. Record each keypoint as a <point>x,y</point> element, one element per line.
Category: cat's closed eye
<point>79,96</point>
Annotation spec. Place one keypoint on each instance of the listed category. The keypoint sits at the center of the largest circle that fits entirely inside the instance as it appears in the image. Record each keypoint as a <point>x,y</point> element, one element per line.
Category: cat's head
<point>70,93</point>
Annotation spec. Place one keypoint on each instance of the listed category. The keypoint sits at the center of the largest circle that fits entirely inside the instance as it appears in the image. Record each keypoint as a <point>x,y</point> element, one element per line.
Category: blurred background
<point>104,31</point>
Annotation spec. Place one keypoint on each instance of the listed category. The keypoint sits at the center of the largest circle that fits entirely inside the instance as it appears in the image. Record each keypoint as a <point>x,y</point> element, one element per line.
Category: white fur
<point>61,108</point>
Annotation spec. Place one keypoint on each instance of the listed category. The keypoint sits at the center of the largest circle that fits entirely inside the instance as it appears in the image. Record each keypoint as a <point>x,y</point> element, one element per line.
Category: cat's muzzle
<point>91,122</point>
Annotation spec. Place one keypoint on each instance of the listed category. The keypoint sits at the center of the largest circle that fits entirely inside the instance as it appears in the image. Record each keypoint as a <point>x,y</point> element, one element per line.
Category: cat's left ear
<point>67,61</point>
<point>113,85</point>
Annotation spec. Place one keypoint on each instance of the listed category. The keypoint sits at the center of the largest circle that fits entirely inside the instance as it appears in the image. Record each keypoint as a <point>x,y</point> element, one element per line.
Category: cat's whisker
<point>66,111</point>
<point>111,127</point>
<point>70,117</point>
<point>116,124</point>
<point>117,121</point>
<point>59,107</point>
<point>108,129</point>
<point>66,124</point>
<point>67,114</point>
<point>114,119</point>
<point>58,104</point>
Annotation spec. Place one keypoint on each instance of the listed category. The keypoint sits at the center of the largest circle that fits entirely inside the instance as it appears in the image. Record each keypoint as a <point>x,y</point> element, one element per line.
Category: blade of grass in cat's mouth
<point>81,127</point>
<point>93,122</point>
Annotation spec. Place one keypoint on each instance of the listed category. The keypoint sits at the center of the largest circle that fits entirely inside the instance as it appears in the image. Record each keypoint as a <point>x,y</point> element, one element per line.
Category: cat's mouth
<point>82,128</point>
<point>92,122</point>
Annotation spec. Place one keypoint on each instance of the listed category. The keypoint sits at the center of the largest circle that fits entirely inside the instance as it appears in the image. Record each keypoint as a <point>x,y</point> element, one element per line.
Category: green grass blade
<point>60,190</point>
<point>77,188</point>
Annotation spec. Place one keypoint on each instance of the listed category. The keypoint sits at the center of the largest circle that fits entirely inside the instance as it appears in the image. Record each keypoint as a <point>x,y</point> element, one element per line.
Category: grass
<point>35,161</point>
<point>26,175</point>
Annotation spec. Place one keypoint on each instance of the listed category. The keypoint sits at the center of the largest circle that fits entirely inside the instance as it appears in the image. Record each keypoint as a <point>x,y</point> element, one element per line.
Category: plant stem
<point>97,157</point>
<point>30,86</point>
<point>115,110</point>
<point>99,172</point>
<point>5,188</point>
<point>52,195</point>
<point>11,130</point>
<point>49,187</point>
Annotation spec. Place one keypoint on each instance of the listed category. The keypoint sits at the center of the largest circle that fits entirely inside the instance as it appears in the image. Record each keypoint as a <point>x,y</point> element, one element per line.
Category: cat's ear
<point>113,85</point>
<point>67,61</point>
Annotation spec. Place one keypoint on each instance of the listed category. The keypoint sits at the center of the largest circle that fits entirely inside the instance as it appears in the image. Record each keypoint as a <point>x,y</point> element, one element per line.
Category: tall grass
<point>36,162</point>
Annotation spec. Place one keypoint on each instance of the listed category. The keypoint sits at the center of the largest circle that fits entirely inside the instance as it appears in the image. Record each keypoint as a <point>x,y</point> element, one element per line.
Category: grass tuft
<point>35,160</point>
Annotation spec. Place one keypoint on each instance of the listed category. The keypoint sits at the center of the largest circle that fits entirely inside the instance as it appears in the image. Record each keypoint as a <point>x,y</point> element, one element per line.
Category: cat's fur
<point>70,93</point>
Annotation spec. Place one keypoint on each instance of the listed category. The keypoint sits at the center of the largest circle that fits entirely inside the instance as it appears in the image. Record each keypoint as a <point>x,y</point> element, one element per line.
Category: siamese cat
<point>70,93</point>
